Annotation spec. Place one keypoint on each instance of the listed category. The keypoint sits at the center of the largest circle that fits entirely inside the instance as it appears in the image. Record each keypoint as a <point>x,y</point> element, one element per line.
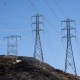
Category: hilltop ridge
<point>26,69</point>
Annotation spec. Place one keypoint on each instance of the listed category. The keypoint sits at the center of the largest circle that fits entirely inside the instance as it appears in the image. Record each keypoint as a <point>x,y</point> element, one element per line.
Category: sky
<point>15,19</point>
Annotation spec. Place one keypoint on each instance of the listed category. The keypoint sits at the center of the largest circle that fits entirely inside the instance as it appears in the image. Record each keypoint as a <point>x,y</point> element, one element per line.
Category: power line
<point>7,30</point>
<point>35,8</point>
<point>51,9</point>
<point>12,8</point>
<point>51,25</point>
<point>59,8</point>
<point>77,43</point>
<point>47,48</point>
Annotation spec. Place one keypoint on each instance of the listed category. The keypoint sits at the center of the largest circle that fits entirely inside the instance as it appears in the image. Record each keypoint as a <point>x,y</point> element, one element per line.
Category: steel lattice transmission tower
<point>69,61</point>
<point>12,44</point>
<point>38,53</point>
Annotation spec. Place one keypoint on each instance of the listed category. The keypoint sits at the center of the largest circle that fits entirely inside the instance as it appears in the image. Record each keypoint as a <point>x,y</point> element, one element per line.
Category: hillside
<point>26,69</point>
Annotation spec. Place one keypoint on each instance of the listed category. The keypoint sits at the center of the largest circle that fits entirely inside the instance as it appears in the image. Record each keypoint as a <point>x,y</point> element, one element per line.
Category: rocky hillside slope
<point>29,69</point>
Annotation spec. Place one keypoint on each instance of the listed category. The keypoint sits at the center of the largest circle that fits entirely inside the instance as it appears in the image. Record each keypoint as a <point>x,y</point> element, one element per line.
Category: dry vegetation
<point>28,70</point>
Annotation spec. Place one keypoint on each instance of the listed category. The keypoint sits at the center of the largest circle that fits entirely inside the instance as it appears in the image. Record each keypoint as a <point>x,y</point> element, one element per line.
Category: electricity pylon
<point>38,53</point>
<point>12,44</point>
<point>69,61</point>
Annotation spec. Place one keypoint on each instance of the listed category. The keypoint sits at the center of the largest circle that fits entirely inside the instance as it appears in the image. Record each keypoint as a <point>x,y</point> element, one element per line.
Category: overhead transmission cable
<point>51,9</point>
<point>19,14</point>
<point>38,11</point>
<point>51,25</point>
<point>77,41</point>
<point>60,8</point>
<point>47,48</point>
<point>12,30</point>
<point>12,8</point>
<point>35,8</point>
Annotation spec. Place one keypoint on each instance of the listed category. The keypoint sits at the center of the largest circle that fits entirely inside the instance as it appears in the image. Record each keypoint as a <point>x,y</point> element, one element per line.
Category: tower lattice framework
<point>38,53</point>
<point>69,61</point>
<point>12,44</point>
